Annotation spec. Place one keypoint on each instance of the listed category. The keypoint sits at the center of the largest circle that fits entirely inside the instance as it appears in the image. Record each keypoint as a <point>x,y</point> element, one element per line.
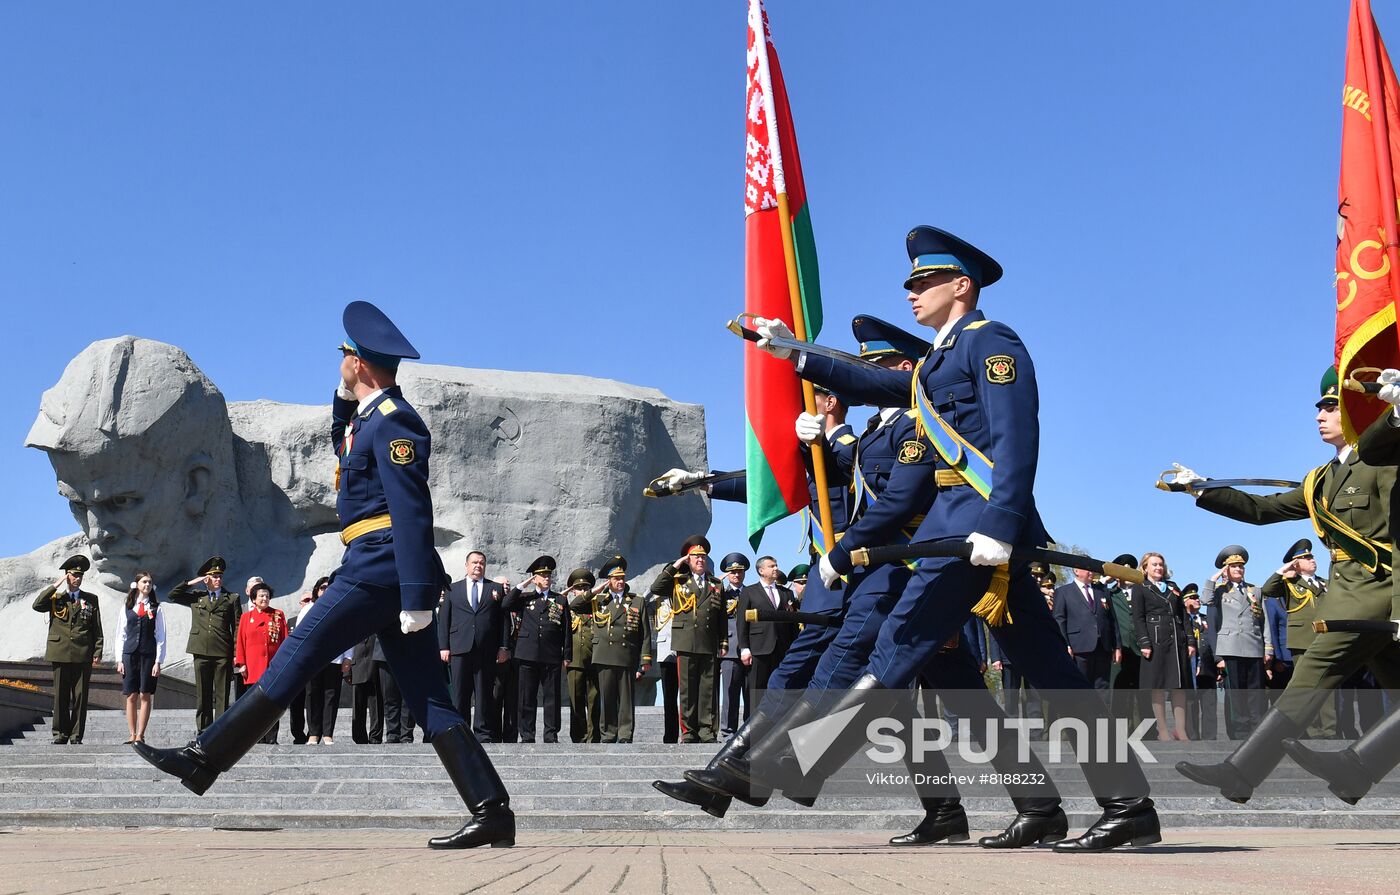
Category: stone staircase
<point>557,787</point>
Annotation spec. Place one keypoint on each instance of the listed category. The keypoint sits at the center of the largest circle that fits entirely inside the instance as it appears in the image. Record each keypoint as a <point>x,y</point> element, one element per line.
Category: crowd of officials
<point>1161,651</point>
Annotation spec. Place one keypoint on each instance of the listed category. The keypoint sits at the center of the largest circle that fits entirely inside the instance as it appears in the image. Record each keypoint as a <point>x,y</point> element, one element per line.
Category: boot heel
<point>956,837</point>
<point>1052,837</point>
<point>503,843</point>
<point>200,781</point>
<point>1146,838</point>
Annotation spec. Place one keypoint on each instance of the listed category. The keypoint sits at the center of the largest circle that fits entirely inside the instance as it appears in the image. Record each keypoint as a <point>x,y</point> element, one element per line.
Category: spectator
<point>733,673</point>
<point>367,703</point>
<point>762,645</point>
<point>473,641</point>
<point>140,653</point>
<point>666,666</point>
<point>1159,622</point>
<point>1202,702</point>
<point>296,711</point>
<point>323,690</point>
<point>505,711</point>
<point>261,632</point>
<point>1085,615</point>
<point>1241,637</point>
<point>238,685</point>
<point>1126,700</point>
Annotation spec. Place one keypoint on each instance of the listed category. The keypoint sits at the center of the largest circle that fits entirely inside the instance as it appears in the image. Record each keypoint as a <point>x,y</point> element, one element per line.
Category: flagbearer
<point>388,584</point>
<point>1348,502</point>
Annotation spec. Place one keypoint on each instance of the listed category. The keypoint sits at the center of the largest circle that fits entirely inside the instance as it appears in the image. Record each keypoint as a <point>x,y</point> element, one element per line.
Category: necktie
<point>475,595</point>
<point>773,596</point>
<point>1089,596</point>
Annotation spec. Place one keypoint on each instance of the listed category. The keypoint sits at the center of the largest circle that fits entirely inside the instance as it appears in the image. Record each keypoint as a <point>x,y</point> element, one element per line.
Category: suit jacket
<point>362,662</point>
<point>213,623</point>
<point>764,638</point>
<point>75,627</point>
<point>1203,638</point>
<point>1086,627</point>
<point>462,630</point>
<point>546,629</point>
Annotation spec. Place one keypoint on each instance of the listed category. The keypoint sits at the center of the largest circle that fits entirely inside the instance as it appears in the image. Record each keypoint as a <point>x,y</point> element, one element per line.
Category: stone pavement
<point>151,862</point>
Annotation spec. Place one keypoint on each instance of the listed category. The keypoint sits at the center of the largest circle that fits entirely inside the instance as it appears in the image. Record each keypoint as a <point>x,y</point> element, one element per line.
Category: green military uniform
<point>698,635</point>
<point>1349,503</point>
<point>1302,601</point>
<point>1127,699</point>
<point>213,631</point>
<point>583,689</point>
<point>75,643</point>
<point>621,647</point>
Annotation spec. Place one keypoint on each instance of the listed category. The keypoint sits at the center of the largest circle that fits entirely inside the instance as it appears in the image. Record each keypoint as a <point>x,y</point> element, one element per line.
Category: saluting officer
<point>733,674</point>
<point>583,684</point>
<point>1292,596</point>
<point>697,634</point>
<point>621,651</point>
<point>1201,709</point>
<point>388,584</point>
<point>74,647</point>
<point>1241,639</point>
<point>1347,500</point>
<point>542,648</point>
<point>214,616</point>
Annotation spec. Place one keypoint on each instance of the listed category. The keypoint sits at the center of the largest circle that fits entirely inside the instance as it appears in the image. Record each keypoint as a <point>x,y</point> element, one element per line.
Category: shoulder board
<point>846,439</point>
<point>976,324</point>
<point>912,413</point>
<point>387,406</point>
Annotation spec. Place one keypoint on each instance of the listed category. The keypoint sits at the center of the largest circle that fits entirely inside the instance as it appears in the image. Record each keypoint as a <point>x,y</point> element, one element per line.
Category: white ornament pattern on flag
<point>760,182</point>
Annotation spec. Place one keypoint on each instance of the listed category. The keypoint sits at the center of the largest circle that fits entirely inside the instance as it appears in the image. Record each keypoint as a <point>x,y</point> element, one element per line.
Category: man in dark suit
<point>762,645</point>
<point>472,639</point>
<point>1085,615</point>
<point>367,715</point>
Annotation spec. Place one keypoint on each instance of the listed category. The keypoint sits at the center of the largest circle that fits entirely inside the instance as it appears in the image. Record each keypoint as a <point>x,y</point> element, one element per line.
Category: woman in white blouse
<point>140,653</point>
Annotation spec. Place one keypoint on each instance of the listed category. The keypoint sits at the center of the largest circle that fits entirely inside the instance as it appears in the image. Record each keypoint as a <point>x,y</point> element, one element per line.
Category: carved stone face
<point>137,503</point>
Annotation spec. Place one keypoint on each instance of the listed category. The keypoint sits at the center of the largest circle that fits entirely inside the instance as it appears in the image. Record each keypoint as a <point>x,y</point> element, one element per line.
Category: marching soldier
<point>733,674</point>
<point>1348,501</point>
<point>583,682</point>
<point>74,647</point>
<point>697,634</point>
<point>543,647</point>
<point>214,615</point>
<point>1241,640</point>
<point>621,651</point>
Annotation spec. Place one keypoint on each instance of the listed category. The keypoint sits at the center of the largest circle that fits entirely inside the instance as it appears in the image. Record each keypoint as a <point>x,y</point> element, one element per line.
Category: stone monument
<point>161,473</point>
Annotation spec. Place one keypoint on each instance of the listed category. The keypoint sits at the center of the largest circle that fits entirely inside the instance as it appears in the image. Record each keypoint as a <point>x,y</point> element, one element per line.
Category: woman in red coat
<point>261,632</point>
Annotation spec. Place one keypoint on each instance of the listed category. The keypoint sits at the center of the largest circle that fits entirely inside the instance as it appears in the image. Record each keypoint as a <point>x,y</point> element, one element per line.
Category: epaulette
<point>912,413</point>
<point>387,406</point>
<point>975,324</point>
<point>846,439</point>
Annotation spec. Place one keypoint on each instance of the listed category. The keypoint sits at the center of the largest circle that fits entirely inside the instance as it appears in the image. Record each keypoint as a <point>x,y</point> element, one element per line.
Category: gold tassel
<point>992,606</point>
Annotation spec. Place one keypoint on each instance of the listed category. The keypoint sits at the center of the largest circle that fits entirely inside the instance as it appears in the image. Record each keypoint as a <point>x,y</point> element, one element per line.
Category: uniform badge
<point>912,451</point>
<point>1350,489</point>
<point>401,451</point>
<point>1001,369</point>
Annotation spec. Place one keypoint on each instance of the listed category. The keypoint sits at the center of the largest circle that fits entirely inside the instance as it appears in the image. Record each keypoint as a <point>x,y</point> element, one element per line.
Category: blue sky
<point>548,186</point>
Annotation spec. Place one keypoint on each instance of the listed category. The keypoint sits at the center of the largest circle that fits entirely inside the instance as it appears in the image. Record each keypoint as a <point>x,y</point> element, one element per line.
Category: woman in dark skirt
<point>1159,620</point>
<point>140,653</point>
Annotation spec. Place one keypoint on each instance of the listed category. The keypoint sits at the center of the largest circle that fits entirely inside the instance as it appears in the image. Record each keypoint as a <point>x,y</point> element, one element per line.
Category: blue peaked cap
<point>934,251</point>
<point>373,337</point>
<point>878,339</point>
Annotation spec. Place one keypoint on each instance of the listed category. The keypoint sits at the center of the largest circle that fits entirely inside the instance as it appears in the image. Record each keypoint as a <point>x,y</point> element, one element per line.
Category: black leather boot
<point>944,821</point>
<point>221,745</point>
<point>1036,821</point>
<point>1124,822</point>
<point>1351,772</point>
<point>711,800</point>
<point>1237,776</point>
<point>476,780</point>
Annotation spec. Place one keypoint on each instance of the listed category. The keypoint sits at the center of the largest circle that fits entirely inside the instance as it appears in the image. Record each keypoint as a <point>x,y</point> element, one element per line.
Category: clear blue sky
<point>549,186</point>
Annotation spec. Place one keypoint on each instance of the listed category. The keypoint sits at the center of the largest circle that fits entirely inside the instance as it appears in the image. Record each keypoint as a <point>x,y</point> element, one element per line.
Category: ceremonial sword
<point>876,556</point>
<point>1212,484</point>
<point>752,335</point>
<point>818,619</point>
<point>658,488</point>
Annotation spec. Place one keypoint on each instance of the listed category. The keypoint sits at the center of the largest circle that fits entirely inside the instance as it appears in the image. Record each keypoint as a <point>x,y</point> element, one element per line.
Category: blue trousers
<point>801,658</point>
<point>347,613</point>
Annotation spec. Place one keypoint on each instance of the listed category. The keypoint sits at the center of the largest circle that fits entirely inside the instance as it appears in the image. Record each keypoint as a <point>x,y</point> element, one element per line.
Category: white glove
<point>416,620</point>
<point>1185,476</point>
<point>988,551</point>
<point>1390,391</point>
<point>827,571</point>
<point>767,329</point>
<point>809,427</point>
<point>675,478</point>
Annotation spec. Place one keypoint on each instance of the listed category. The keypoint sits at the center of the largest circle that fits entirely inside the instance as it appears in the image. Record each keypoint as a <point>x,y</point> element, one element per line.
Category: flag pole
<point>809,398</point>
<point>1380,136</point>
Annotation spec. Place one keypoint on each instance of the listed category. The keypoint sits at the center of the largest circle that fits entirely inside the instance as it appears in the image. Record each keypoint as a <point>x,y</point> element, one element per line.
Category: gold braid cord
<point>992,607</point>
<point>684,602</point>
<point>1303,595</point>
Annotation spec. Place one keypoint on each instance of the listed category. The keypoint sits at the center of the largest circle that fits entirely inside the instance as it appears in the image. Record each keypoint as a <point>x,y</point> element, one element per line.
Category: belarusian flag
<point>1368,262</point>
<point>777,479</point>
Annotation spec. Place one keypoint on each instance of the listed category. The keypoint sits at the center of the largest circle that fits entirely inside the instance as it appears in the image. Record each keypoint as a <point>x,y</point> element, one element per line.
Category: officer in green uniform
<point>214,614</point>
<point>621,651</point>
<point>75,647</point>
<point>1348,503</point>
<point>1127,700</point>
<point>1299,592</point>
<point>583,687</point>
<point>698,635</point>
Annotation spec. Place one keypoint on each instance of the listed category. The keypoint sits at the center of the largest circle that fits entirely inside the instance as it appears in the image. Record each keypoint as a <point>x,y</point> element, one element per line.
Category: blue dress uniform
<point>978,405</point>
<point>389,572</point>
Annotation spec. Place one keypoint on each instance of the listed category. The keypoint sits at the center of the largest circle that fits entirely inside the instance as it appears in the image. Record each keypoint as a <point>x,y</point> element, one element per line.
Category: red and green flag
<point>1368,260</point>
<point>777,253</point>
